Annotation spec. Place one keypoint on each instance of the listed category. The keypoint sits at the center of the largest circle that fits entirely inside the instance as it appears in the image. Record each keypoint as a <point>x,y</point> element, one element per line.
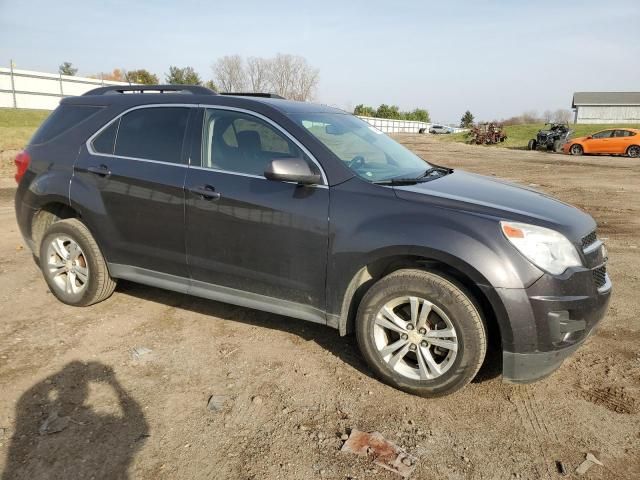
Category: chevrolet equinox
<point>308,212</point>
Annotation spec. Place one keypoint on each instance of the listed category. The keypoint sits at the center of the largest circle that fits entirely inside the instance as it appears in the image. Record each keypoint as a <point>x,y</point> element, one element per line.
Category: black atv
<point>552,139</point>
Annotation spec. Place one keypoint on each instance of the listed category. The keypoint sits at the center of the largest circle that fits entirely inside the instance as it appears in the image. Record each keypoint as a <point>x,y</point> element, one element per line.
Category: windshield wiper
<point>424,177</point>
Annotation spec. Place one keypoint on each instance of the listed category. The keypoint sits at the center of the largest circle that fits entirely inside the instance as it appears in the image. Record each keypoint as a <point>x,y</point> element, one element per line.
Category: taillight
<point>22,163</point>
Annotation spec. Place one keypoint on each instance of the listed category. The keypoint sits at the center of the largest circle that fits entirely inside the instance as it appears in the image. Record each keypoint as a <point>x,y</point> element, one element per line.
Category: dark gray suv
<point>308,212</point>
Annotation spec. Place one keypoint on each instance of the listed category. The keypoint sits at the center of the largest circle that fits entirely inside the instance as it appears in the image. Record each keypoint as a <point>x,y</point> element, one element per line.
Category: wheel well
<point>43,218</point>
<point>630,147</point>
<point>380,268</point>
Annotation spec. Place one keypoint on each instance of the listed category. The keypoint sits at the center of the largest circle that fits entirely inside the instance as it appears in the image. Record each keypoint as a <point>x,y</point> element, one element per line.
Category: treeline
<point>289,76</point>
<point>532,116</point>
<point>392,112</point>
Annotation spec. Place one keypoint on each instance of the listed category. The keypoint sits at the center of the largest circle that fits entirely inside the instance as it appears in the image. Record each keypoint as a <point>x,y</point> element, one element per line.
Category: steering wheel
<point>357,162</point>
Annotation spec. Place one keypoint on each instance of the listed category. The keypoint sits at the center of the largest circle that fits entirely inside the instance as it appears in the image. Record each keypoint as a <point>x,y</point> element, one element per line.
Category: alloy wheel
<point>415,338</point>
<point>67,265</point>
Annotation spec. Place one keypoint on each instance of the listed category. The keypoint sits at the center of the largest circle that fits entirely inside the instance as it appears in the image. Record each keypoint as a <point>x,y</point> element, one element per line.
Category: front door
<point>600,142</point>
<point>129,183</point>
<point>248,234</point>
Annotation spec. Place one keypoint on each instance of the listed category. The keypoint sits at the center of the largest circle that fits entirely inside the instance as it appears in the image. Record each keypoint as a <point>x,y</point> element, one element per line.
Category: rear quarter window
<point>153,133</point>
<point>62,119</point>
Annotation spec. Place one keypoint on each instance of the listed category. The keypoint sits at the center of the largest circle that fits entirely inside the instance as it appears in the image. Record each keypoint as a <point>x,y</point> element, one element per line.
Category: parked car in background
<point>615,141</point>
<point>440,129</point>
<point>308,212</point>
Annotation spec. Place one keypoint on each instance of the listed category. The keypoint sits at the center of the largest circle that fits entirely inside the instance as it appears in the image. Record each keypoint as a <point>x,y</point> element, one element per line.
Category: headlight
<point>545,248</point>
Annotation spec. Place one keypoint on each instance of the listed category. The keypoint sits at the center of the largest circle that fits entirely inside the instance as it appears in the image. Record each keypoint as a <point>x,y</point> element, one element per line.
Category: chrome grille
<point>599,276</point>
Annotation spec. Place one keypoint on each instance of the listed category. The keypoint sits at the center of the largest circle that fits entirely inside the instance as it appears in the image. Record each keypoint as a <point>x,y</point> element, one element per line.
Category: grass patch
<point>518,136</point>
<point>17,126</point>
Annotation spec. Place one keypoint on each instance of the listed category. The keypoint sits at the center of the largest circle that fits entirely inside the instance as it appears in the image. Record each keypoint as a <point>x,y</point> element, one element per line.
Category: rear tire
<point>576,150</point>
<point>633,151</point>
<point>532,145</point>
<point>421,332</point>
<point>73,265</point>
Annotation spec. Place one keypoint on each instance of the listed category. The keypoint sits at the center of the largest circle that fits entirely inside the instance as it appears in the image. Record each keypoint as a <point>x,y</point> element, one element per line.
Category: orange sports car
<point>616,141</point>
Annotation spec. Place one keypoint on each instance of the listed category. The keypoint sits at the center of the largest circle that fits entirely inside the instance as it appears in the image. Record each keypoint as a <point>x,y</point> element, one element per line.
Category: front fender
<point>371,224</point>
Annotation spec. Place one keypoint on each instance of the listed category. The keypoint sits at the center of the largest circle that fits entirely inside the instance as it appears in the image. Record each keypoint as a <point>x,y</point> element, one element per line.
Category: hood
<point>578,139</point>
<point>500,199</point>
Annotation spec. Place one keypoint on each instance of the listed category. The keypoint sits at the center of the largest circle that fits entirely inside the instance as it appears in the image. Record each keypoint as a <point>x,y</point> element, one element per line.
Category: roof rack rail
<point>122,89</point>
<point>253,94</point>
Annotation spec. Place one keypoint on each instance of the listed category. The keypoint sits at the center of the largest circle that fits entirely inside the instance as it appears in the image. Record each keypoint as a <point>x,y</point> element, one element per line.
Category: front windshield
<point>368,152</point>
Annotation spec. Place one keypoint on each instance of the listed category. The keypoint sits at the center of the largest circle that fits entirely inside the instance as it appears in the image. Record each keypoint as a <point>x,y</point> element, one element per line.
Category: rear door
<point>247,233</point>
<point>129,185</point>
<point>621,141</point>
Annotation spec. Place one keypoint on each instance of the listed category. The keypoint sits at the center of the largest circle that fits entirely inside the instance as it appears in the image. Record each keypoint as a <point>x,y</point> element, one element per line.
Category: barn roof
<point>606,98</point>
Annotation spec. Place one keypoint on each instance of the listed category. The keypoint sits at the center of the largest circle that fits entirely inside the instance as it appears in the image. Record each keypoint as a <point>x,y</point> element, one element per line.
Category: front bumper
<point>530,367</point>
<point>549,321</point>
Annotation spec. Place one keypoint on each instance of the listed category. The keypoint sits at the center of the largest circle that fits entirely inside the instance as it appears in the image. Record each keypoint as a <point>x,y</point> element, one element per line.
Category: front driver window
<point>238,142</point>
<point>605,134</point>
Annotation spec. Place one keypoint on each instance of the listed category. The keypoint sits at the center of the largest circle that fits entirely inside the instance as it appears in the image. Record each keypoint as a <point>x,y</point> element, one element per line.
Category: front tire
<point>532,145</point>
<point>421,332</point>
<point>576,150</point>
<point>73,265</point>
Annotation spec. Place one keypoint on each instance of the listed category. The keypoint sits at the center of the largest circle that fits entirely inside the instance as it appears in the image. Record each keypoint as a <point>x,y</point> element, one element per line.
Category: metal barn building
<point>606,107</point>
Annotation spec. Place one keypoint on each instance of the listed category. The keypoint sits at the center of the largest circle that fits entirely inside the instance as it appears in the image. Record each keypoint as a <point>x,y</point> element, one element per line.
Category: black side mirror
<point>295,170</point>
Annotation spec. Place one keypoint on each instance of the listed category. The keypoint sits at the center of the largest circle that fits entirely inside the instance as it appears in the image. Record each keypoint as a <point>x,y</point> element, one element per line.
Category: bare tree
<point>306,81</point>
<point>229,73</point>
<point>292,77</point>
<point>287,75</point>
<point>258,73</point>
<point>547,116</point>
<point>530,116</point>
<point>562,116</point>
<point>281,74</point>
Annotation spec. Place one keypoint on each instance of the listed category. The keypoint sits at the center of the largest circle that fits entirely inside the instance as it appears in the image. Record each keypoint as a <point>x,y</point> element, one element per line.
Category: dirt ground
<point>120,389</point>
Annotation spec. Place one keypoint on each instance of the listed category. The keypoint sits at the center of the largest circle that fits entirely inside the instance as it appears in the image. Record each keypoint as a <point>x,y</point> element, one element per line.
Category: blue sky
<point>495,58</point>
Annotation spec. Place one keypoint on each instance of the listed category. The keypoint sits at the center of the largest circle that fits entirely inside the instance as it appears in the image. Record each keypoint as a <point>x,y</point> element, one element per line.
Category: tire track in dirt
<point>615,399</point>
<point>537,430</point>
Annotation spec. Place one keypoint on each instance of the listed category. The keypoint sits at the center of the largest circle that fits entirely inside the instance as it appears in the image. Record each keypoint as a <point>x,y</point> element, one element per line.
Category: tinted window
<point>153,134</point>
<point>605,134</point>
<point>622,133</point>
<point>105,142</point>
<point>62,119</point>
<point>238,142</point>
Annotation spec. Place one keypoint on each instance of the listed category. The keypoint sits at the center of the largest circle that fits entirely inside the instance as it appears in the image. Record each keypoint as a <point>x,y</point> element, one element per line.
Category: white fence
<point>396,126</point>
<point>29,89</point>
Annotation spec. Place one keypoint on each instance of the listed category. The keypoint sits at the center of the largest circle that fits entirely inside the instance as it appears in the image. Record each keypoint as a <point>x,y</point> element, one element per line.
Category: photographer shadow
<point>58,435</point>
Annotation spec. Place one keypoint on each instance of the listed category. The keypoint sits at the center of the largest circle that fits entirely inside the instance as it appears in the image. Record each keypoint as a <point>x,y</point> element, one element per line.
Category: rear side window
<point>106,141</point>
<point>153,134</point>
<point>623,133</point>
<point>62,119</point>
